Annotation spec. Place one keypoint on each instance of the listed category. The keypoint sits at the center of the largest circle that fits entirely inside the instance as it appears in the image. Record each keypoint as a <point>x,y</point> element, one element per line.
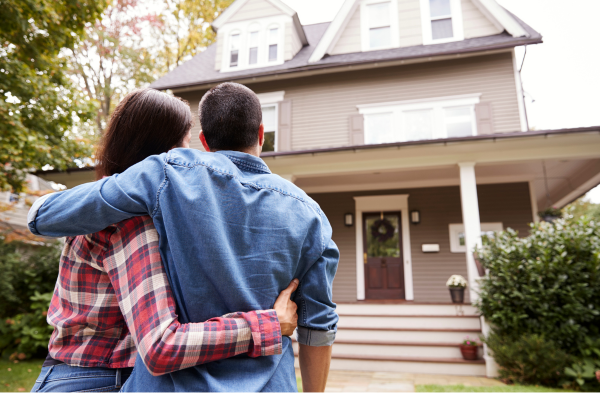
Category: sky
<point>560,76</point>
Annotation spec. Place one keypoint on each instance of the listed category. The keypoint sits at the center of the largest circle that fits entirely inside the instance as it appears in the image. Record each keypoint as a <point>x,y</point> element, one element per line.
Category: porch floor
<point>362,381</point>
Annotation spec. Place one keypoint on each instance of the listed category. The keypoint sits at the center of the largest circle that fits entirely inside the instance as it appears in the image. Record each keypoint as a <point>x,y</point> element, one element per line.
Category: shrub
<point>584,374</point>
<point>546,284</point>
<point>529,359</point>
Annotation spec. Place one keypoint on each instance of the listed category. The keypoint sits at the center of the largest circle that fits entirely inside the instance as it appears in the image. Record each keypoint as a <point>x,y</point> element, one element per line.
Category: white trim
<point>579,191</point>
<point>534,204</point>
<point>456,229</point>
<point>270,97</point>
<point>276,131</point>
<point>332,31</point>
<point>429,102</point>
<point>237,5</point>
<point>520,98</point>
<point>364,25</point>
<point>383,203</point>
<point>457,23</point>
<point>500,17</point>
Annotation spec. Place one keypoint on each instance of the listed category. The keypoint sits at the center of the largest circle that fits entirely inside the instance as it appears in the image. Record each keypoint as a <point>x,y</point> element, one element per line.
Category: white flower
<point>457,281</point>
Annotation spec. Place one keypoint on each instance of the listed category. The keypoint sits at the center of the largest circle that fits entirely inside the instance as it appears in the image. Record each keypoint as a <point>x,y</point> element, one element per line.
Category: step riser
<point>406,309</point>
<point>400,336</point>
<point>394,351</point>
<point>407,367</point>
<point>409,323</point>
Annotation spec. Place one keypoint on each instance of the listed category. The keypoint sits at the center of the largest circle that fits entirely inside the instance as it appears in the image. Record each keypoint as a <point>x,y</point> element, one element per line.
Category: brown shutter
<point>284,139</point>
<point>357,129</point>
<point>483,113</point>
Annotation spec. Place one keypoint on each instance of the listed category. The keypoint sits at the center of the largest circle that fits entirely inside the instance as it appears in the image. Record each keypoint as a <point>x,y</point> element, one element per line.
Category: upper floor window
<point>421,120</point>
<point>269,113</point>
<point>253,43</point>
<point>379,24</point>
<point>273,43</point>
<point>234,50</point>
<point>442,21</point>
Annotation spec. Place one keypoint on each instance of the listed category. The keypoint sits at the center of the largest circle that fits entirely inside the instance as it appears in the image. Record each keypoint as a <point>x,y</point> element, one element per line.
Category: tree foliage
<point>39,107</point>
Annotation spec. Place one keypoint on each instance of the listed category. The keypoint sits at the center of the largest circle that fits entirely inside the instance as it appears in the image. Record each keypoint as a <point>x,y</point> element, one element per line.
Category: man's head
<point>231,119</point>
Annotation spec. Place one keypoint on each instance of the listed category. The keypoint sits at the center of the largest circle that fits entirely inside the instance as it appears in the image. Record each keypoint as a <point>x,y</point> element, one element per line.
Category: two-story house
<point>405,121</point>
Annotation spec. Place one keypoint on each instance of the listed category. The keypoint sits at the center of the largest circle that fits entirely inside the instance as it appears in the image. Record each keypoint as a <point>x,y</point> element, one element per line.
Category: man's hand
<point>286,309</point>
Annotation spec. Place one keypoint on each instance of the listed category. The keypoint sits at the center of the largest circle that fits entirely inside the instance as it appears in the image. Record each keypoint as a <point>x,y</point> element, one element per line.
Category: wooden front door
<point>382,241</point>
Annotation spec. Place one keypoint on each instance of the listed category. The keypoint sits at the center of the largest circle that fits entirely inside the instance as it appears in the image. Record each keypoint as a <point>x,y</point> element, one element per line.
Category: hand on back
<point>286,309</point>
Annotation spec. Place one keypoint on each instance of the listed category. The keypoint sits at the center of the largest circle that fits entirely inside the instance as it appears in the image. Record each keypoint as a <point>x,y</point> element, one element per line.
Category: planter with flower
<point>469,349</point>
<point>457,284</point>
<point>551,214</point>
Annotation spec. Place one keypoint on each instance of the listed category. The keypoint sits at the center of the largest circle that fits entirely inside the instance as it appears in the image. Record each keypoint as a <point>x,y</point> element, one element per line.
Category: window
<point>269,113</point>
<point>420,120</point>
<point>234,46</point>
<point>253,48</point>
<point>442,21</point>
<point>457,234</point>
<point>380,30</point>
<point>273,42</point>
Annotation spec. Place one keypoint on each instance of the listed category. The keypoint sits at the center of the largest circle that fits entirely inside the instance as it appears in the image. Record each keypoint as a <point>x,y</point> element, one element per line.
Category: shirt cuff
<point>33,211</point>
<point>270,342</point>
<point>315,338</point>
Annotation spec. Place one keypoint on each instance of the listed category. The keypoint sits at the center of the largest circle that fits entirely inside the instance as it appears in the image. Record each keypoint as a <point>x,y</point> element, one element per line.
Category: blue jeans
<point>63,378</point>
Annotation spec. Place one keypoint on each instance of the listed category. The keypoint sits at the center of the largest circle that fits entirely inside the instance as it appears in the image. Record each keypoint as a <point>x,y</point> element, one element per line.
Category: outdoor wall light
<point>349,219</point>
<point>415,217</point>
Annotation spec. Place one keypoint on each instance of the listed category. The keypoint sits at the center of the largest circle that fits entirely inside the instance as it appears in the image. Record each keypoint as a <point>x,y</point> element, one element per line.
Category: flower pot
<point>469,352</point>
<point>457,294</point>
<point>550,218</point>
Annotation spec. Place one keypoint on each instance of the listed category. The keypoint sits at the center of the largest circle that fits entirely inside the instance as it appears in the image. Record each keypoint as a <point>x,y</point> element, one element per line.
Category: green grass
<point>487,389</point>
<point>19,377</point>
<point>299,382</point>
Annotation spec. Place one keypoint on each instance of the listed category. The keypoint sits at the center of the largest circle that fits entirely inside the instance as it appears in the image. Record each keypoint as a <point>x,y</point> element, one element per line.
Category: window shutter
<point>483,113</point>
<point>357,129</point>
<point>284,139</point>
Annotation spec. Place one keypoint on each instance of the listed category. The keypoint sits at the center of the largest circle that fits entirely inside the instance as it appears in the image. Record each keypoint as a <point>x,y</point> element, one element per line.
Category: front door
<point>384,272</point>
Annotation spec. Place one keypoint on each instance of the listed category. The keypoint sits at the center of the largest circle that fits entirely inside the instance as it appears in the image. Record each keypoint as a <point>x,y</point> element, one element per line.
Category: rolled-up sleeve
<point>317,318</point>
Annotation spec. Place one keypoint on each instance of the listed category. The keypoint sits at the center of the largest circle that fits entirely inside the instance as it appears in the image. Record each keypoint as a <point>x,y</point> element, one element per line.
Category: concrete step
<point>406,335</point>
<point>395,349</point>
<point>407,309</point>
<point>409,322</point>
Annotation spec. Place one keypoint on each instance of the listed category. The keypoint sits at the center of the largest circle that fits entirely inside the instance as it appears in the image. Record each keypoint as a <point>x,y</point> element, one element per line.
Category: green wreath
<point>382,230</point>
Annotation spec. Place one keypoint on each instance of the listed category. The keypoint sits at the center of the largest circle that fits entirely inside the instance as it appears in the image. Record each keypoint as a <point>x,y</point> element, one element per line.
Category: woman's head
<point>146,122</point>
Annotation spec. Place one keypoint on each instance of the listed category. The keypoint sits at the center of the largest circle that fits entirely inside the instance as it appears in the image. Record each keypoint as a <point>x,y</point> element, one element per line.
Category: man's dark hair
<point>230,115</point>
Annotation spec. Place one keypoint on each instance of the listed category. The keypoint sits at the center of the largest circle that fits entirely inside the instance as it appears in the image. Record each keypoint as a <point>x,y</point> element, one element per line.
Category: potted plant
<point>469,348</point>
<point>550,214</point>
<point>457,284</point>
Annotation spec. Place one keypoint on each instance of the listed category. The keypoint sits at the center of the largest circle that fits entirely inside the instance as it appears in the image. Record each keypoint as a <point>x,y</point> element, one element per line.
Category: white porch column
<point>471,222</point>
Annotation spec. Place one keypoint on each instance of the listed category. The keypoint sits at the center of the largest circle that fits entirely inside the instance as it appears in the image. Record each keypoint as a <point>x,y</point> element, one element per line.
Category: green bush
<point>584,374</point>
<point>528,359</point>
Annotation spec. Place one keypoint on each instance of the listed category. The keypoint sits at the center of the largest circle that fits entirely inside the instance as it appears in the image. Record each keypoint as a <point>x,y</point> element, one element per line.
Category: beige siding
<point>475,23</point>
<point>349,40</point>
<point>323,104</point>
<point>255,9</point>
<point>506,203</point>
<point>411,33</point>
<point>293,44</point>
<point>219,56</point>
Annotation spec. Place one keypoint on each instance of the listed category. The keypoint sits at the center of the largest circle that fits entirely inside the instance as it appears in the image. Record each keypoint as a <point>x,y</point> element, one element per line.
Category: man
<point>232,236</point>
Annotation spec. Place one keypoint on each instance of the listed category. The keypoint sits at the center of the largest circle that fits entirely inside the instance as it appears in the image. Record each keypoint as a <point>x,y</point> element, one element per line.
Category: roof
<point>200,70</point>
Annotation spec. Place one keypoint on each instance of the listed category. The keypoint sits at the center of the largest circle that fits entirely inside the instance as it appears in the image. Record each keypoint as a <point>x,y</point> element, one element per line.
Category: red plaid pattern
<point>113,296</point>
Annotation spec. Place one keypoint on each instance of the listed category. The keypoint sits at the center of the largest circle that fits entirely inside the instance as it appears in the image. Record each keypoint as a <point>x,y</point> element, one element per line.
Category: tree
<point>40,113</point>
<point>583,207</point>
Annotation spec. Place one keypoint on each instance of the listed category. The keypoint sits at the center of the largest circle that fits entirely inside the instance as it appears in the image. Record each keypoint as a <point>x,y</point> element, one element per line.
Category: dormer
<point>257,34</point>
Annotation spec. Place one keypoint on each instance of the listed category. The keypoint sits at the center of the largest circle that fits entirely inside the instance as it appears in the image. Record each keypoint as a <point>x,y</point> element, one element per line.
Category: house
<point>405,121</point>
<point>14,207</point>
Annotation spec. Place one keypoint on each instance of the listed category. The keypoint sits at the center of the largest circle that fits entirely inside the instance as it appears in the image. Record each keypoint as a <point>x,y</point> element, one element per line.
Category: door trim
<point>398,202</point>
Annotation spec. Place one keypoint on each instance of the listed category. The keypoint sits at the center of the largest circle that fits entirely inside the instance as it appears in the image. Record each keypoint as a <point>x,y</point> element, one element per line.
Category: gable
<point>475,23</point>
<point>254,9</point>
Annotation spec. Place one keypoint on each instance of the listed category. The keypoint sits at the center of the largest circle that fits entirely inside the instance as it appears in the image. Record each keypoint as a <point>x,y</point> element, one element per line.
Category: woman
<point>113,299</point>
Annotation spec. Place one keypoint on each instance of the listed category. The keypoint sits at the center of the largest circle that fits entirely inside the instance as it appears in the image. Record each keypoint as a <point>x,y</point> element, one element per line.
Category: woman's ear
<point>203,140</point>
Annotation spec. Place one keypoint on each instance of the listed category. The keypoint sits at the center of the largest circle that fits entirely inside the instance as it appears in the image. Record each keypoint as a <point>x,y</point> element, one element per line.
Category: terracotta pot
<point>469,352</point>
<point>457,295</point>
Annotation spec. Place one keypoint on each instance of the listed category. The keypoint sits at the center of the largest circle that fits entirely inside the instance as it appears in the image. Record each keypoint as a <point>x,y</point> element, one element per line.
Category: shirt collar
<point>246,161</point>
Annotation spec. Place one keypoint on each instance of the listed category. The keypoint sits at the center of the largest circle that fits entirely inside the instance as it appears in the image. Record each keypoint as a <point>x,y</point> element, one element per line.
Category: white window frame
<point>240,46</point>
<point>456,229</point>
<point>364,24</point>
<point>244,28</point>
<point>457,23</point>
<point>438,105</point>
<point>271,99</point>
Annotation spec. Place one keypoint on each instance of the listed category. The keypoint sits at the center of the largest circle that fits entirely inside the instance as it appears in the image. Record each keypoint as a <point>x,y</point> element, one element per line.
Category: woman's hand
<point>286,309</point>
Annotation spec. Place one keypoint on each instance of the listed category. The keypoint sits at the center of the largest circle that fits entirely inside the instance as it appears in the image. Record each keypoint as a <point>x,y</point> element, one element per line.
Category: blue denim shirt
<point>232,236</point>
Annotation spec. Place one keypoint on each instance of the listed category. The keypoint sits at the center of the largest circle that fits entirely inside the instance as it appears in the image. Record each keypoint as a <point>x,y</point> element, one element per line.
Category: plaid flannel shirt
<point>113,299</point>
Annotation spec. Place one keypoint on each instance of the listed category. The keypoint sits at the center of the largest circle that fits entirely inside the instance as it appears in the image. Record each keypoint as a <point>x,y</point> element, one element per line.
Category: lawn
<point>19,377</point>
<point>487,389</point>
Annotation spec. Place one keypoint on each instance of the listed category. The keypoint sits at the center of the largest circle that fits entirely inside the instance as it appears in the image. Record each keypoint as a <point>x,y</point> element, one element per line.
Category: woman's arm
<point>135,269</point>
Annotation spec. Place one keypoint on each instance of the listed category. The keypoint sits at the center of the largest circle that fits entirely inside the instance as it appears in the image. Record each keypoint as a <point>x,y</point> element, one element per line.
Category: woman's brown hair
<point>146,122</point>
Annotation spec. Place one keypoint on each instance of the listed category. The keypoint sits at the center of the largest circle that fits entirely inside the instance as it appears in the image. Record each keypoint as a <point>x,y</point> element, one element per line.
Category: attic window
<point>253,48</point>
<point>442,21</point>
<point>234,50</point>
<point>380,30</point>
<point>273,41</point>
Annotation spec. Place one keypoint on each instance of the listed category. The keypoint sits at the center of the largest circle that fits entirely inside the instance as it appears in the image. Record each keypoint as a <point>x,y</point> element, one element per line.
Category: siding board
<point>255,9</point>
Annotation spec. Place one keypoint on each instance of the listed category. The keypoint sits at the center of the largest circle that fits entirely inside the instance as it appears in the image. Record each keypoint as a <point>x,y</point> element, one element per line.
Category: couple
<point>175,237</point>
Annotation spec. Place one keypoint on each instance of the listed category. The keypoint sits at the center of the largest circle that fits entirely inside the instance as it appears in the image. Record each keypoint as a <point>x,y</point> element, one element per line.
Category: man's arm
<point>314,367</point>
<point>91,207</point>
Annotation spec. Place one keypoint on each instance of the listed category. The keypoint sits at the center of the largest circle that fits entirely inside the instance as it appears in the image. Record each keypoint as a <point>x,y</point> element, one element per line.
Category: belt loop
<point>45,377</point>
<point>118,379</point>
